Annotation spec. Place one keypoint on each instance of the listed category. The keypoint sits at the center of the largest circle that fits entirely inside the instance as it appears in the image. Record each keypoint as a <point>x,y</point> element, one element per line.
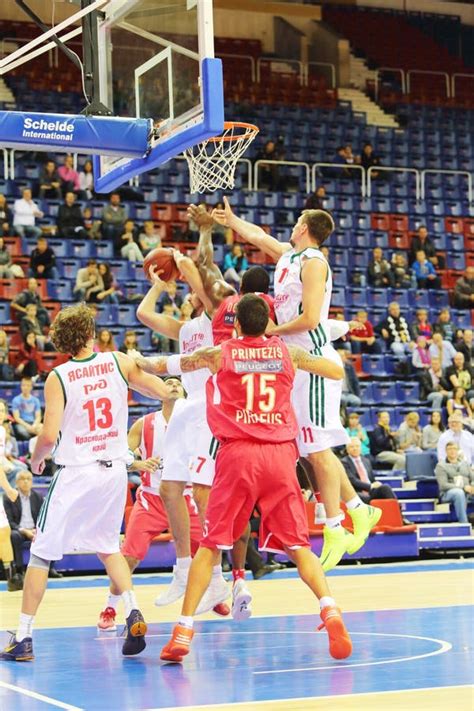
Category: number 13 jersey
<point>94,423</point>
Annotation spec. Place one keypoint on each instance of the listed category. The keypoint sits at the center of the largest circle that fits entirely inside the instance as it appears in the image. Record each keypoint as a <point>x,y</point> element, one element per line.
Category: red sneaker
<point>107,620</point>
<point>222,609</point>
<point>340,645</point>
<point>178,646</point>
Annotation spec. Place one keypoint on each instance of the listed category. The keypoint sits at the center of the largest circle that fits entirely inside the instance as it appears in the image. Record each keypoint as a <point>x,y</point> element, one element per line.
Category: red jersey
<point>250,396</point>
<point>223,319</point>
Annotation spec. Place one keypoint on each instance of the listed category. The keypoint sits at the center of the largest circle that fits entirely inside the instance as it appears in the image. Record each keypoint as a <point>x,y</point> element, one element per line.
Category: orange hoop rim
<point>250,129</point>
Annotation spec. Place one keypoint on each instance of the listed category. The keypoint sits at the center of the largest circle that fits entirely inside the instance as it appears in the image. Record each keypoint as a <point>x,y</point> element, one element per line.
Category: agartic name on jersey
<point>90,371</point>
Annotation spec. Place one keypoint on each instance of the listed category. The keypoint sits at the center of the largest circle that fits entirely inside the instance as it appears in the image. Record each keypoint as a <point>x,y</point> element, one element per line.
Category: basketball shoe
<point>18,651</point>
<point>216,593</point>
<point>340,645</point>
<point>178,646</point>
<point>175,589</point>
<point>364,519</point>
<point>336,543</point>
<point>241,601</point>
<point>222,609</point>
<point>107,620</point>
<point>135,627</point>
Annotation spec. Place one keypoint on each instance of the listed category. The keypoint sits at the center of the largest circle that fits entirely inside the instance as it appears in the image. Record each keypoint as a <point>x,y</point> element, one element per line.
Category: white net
<point>212,163</point>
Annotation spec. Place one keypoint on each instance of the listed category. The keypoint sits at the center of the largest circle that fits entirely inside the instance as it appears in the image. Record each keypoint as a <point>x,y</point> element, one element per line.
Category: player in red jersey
<point>250,413</point>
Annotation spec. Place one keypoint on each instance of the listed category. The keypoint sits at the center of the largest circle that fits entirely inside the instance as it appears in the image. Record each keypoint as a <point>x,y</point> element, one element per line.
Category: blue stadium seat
<point>438,299</point>
<point>83,249</point>
<point>359,298</point>
<point>104,250</point>
<point>107,314</point>
<point>373,364</point>
<point>4,313</point>
<point>421,299</point>
<point>408,392</point>
<point>456,260</point>
<point>60,289</point>
<point>379,297</point>
<point>385,393</point>
<point>367,393</point>
<point>338,296</point>
<point>127,314</point>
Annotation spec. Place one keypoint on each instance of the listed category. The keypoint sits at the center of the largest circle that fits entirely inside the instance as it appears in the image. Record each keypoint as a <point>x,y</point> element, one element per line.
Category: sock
<point>130,601</point>
<point>238,574</point>
<point>333,522</point>
<point>183,563</point>
<point>354,503</point>
<point>217,571</point>
<point>327,602</point>
<point>186,622</point>
<point>113,601</point>
<point>25,627</point>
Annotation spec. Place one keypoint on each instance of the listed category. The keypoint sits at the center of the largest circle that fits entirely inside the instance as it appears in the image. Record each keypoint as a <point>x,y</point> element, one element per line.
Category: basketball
<point>162,259</point>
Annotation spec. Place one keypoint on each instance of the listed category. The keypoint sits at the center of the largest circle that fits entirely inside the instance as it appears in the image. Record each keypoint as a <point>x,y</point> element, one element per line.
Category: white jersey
<point>94,423</point>
<point>194,334</point>
<point>3,516</point>
<point>289,298</point>
<point>152,445</point>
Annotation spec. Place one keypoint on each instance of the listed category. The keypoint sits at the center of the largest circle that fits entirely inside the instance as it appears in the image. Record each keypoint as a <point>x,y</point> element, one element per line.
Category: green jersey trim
<point>120,369</point>
<point>62,385</point>
<point>84,360</point>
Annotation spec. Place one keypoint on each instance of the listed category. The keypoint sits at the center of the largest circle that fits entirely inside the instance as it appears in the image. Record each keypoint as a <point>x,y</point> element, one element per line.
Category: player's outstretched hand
<point>154,276</point>
<point>200,216</point>
<point>223,216</point>
<point>355,326</point>
<point>150,465</point>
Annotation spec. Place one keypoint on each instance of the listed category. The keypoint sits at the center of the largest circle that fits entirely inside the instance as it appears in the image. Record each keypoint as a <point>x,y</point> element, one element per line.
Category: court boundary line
<point>39,697</point>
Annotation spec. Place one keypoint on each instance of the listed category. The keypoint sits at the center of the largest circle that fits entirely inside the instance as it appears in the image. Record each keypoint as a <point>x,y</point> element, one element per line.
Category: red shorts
<point>250,474</point>
<point>148,519</point>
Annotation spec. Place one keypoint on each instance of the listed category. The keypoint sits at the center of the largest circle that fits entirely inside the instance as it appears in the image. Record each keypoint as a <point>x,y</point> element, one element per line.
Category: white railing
<point>436,171</point>
<point>278,60</point>
<point>392,169</point>
<point>459,75</point>
<point>248,163</point>
<point>391,70</point>
<point>338,168</point>
<point>331,67</point>
<point>6,163</point>
<point>445,75</point>
<point>246,57</point>
<point>264,161</point>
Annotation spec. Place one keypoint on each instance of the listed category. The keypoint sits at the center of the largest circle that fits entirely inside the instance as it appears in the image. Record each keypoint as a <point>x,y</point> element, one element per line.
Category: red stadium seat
<point>454,225</point>
<point>48,361</point>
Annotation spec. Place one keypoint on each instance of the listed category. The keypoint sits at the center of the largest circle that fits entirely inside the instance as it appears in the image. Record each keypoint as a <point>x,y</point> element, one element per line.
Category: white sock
<point>333,521</point>
<point>327,602</point>
<point>217,571</point>
<point>183,563</point>
<point>25,627</point>
<point>354,503</point>
<point>113,601</point>
<point>130,601</point>
<point>186,622</point>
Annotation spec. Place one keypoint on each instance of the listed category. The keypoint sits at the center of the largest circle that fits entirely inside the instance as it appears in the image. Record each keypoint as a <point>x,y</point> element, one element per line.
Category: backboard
<point>156,60</point>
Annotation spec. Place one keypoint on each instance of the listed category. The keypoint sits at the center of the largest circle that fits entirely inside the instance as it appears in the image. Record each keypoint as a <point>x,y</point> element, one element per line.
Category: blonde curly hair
<point>72,328</point>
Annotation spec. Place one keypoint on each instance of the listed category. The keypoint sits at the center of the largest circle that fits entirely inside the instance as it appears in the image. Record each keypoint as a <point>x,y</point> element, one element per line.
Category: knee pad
<point>37,562</point>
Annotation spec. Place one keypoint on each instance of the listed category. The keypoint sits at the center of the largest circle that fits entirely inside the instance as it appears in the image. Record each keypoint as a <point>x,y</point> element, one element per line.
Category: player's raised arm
<point>191,274</point>
<point>313,277</point>
<point>139,380</point>
<point>315,364</point>
<point>251,233</point>
<point>146,312</point>
<point>54,409</point>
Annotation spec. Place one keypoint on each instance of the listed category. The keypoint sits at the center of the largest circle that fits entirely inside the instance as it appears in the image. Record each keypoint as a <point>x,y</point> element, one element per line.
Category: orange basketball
<point>162,259</point>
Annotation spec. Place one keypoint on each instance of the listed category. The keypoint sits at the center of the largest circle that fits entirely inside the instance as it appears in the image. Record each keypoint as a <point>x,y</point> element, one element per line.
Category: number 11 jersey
<point>94,423</point>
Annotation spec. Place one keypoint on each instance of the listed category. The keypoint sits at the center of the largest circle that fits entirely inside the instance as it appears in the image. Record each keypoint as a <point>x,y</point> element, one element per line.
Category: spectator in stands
<point>26,410</point>
<point>445,326</point>
<point>456,481</point>
<point>460,375</point>
<point>432,431</point>
<point>316,200</point>
<point>9,462</point>
<point>5,261</point>
<point>113,220</point>
<point>109,295</point>
<point>433,385</point>
<point>70,221</point>
<point>49,182</point>
<point>171,297</point>
<point>395,332</point>
<point>458,403</point>
<point>425,273</point>
<point>421,359</point>
<point>130,343</point>
<point>149,238</point>
<point>104,343</point>
<point>421,327</point>
<point>368,159</point>
<point>362,338</point>
<point>409,433</point>
<point>383,443</point>
<point>464,290</point>
<point>5,372</point>
<point>340,159</point>
<point>444,350</point>
<point>29,323</point>
<point>421,241</point>
<point>92,227</point>
<point>30,295</point>
<point>355,429</point>
<point>235,264</point>
<point>269,174</point>
<point>86,181</point>
<point>88,282</point>
<point>351,158</point>
<point>26,359</point>
<point>43,261</point>
<point>25,212</point>
<point>6,218</point>
<point>69,176</point>
<point>359,470</point>
<point>465,345</point>
<point>455,433</point>
<point>379,273</point>
<point>401,276</point>
<point>350,385</point>
<point>129,248</point>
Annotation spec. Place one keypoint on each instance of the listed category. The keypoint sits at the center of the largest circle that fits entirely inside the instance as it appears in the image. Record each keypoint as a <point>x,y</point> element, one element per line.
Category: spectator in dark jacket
<point>350,385</point>
<point>383,443</point>
<point>5,261</point>
<point>49,182</point>
<point>43,261</point>
<point>70,221</point>
<point>379,272</point>
<point>31,296</point>
<point>315,201</point>
<point>445,325</point>
<point>465,345</point>
<point>359,471</point>
<point>422,241</point>
<point>6,218</point>
<point>464,290</point>
<point>368,159</point>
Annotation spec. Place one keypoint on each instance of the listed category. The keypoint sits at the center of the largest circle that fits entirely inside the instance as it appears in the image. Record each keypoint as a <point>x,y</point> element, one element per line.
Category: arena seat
<point>391,520</point>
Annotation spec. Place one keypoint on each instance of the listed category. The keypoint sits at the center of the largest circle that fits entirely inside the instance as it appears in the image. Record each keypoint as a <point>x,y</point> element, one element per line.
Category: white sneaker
<point>241,601</point>
<point>176,588</point>
<point>216,593</point>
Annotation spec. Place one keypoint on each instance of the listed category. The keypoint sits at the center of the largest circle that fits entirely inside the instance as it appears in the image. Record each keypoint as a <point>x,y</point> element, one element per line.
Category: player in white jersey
<point>303,286</point>
<point>85,423</point>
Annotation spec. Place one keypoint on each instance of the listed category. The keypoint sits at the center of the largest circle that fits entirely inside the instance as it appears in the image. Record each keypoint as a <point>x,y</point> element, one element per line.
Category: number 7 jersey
<point>95,418</point>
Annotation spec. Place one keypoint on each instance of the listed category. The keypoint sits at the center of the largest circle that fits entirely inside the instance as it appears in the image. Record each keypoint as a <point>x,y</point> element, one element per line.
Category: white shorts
<point>317,403</point>
<point>83,511</point>
<point>189,447</point>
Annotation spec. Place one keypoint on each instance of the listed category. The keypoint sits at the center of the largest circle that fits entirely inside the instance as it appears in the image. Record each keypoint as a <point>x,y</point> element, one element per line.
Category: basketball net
<point>212,162</point>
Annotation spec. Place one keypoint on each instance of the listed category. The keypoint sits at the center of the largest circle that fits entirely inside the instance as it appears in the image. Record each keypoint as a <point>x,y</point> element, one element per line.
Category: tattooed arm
<point>202,358</point>
<point>315,364</point>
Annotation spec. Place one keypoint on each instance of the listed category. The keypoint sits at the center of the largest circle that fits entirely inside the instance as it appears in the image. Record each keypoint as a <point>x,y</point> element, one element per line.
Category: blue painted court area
<point>271,658</point>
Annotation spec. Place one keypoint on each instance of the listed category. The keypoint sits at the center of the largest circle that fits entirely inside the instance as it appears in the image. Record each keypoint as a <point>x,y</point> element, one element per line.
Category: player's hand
<point>37,466</point>
<point>154,276</point>
<point>271,328</point>
<point>355,326</point>
<point>177,256</point>
<point>199,215</point>
<point>149,465</point>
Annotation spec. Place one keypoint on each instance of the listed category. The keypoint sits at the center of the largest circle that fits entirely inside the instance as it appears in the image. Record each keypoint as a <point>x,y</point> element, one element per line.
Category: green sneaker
<point>364,519</point>
<point>336,543</point>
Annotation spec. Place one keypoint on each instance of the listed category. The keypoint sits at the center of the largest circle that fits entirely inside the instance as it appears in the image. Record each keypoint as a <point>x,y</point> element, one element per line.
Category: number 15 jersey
<point>94,423</point>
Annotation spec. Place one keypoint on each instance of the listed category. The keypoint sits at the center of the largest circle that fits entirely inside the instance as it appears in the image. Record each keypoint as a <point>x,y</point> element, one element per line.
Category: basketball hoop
<point>212,162</point>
